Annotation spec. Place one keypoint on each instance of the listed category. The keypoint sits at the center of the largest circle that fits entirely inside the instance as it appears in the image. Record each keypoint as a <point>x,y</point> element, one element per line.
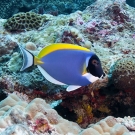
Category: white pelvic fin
<point>48,77</point>
<point>28,58</point>
<point>91,77</point>
<point>72,87</point>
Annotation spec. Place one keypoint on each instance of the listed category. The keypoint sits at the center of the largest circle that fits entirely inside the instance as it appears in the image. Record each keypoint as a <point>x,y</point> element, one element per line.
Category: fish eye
<point>95,62</point>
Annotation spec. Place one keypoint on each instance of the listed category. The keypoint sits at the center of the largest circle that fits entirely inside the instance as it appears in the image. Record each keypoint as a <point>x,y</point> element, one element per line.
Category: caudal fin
<point>28,58</point>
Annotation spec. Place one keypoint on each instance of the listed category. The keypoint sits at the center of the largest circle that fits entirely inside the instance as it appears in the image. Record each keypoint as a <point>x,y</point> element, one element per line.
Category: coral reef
<point>62,7</point>
<point>115,14</point>
<point>106,28</point>
<point>9,8</point>
<point>106,126</point>
<point>15,62</point>
<point>24,21</point>
<point>127,121</point>
<point>38,118</point>
<point>131,3</point>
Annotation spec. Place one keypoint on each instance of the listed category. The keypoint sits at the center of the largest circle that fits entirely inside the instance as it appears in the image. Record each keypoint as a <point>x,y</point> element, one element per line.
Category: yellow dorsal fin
<point>37,61</point>
<point>59,46</point>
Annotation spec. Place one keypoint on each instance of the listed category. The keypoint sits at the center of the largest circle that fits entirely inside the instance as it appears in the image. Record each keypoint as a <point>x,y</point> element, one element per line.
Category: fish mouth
<point>103,75</point>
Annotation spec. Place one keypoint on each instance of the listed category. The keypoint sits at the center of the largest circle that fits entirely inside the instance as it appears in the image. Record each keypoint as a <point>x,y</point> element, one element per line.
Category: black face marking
<point>94,66</point>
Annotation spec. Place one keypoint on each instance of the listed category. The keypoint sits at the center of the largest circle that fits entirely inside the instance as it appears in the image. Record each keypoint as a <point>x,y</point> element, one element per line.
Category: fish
<point>65,64</point>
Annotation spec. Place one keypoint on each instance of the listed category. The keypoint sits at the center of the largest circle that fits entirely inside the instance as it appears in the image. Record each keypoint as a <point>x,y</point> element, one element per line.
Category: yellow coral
<point>104,109</point>
<point>87,108</point>
<point>79,120</point>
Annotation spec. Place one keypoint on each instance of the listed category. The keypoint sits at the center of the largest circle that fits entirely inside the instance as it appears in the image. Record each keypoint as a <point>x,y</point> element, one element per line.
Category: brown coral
<point>24,21</point>
<point>123,74</point>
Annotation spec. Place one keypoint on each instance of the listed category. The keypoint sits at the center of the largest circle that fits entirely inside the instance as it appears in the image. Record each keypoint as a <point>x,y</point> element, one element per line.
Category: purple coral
<point>116,14</point>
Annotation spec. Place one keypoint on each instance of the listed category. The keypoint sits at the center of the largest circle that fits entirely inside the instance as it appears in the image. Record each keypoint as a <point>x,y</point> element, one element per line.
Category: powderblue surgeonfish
<point>65,64</point>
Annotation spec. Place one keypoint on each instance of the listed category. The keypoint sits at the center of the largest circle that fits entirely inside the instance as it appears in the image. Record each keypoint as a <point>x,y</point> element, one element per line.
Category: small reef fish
<point>65,64</point>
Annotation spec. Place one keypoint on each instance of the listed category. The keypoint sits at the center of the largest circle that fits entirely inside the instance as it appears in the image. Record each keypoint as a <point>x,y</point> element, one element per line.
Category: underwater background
<point>9,8</point>
<point>31,105</point>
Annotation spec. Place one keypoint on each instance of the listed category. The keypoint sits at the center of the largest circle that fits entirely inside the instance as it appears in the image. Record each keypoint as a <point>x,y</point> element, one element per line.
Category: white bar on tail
<point>28,58</point>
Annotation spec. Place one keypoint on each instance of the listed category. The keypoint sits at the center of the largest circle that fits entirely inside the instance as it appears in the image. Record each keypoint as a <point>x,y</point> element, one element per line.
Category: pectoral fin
<point>91,77</point>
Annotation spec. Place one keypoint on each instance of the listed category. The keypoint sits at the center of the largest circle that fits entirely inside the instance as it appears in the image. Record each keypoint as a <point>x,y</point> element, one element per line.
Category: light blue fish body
<point>63,64</point>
